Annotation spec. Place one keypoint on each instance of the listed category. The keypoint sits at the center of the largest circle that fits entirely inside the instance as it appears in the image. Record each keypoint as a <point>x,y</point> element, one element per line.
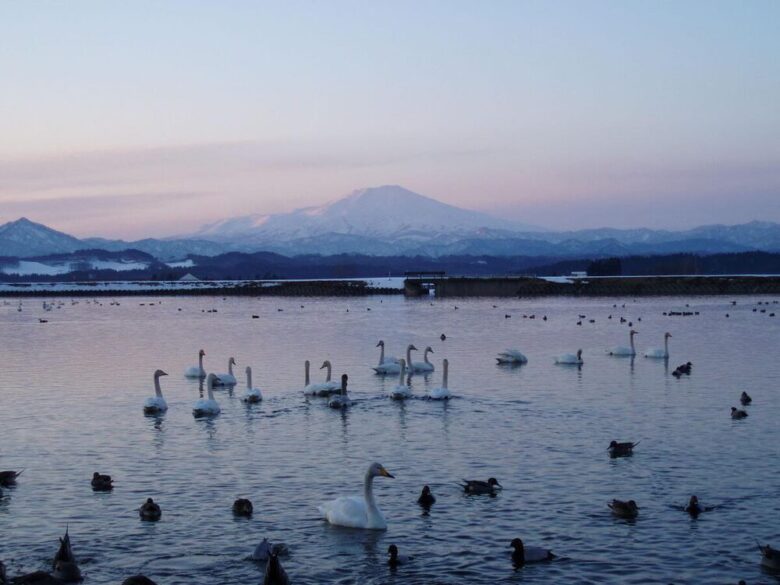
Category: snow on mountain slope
<point>27,238</point>
<point>389,211</point>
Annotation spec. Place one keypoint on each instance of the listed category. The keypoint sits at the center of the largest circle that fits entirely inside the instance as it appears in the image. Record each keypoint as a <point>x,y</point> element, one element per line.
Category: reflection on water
<point>71,392</point>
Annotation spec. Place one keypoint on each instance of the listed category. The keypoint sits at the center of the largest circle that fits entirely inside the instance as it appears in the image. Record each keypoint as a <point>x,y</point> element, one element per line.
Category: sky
<point>151,118</point>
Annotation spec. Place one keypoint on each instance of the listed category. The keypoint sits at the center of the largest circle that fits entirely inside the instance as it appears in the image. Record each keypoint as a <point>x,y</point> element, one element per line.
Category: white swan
<point>658,353</point>
<point>228,379</point>
<point>401,391</point>
<point>621,350</point>
<point>156,404</point>
<point>340,400</point>
<point>422,367</point>
<point>309,389</point>
<point>196,371</point>
<point>329,386</point>
<point>394,368</point>
<point>511,356</point>
<point>207,406</point>
<point>356,511</point>
<point>442,393</point>
<point>382,358</point>
<point>251,395</point>
<point>570,359</point>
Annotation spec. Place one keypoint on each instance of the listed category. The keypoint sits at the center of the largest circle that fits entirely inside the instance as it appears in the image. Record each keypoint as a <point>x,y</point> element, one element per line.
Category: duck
<point>570,359</point>
<point>442,393</point>
<point>522,555</point>
<point>228,379</point>
<point>395,559</point>
<point>622,351</point>
<point>207,406</point>
<point>102,483</point>
<point>770,557</point>
<point>274,572</point>
<point>138,580</point>
<point>738,414</point>
<point>357,511</point>
<point>265,549</point>
<point>694,508</point>
<point>64,563</point>
<point>150,511</point>
<point>423,367</point>
<point>511,357</point>
<point>243,507</point>
<point>426,498</point>
<point>196,371</point>
<point>401,390</point>
<point>657,353</point>
<point>156,404</point>
<point>745,399</point>
<point>252,395</point>
<point>475,486</point>
<point>340,400</point>
<point>8,478</point>
<point>621,449</point>
<point>623,509</point>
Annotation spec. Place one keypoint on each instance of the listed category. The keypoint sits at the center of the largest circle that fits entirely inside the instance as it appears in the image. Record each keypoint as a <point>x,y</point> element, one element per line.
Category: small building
<point>189,277</point>
<point>579,273</point>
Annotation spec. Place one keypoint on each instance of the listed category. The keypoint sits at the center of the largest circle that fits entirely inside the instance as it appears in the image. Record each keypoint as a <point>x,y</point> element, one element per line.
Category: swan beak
<point>163,373</point>
<point>386,473</point>
<point>378,344</point>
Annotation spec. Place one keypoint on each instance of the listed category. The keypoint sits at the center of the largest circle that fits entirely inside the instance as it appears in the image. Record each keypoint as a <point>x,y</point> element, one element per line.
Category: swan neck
<point>157,389</point>
<point>329,372</point>
<point>368,493</point>
<point>210,388</point>
<point>632,342</point>
<point>306,368</point>
<point>200,362</point>
<point>409,355</point>
<point>381,354</point>
<point>666,345</point>
<point>230,367</point>
<point>425,357</point>
<point>401,373</point>
<point>248,379</point>
<point>446,368</point>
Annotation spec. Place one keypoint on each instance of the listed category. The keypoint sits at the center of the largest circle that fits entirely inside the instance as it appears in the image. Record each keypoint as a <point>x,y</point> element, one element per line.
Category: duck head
<point>392,550</point>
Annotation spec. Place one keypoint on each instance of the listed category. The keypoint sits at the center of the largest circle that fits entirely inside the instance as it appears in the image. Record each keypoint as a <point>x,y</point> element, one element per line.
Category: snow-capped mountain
<point>389,212</point>
<point>26,238</point>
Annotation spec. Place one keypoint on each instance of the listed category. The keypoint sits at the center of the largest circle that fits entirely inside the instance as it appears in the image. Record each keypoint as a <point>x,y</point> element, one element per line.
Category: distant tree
<point>605,267</point>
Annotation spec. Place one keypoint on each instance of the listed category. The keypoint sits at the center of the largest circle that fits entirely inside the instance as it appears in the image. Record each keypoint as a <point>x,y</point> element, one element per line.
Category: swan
<point>251,395</point>
<point>511,356</point>
<point>309,389</point>
<point>196,371</point>
<point>442,393</point>
<point>227,379</point>
<point>621,350</point>
<point>657,353</point>
<point>156,404</point>
<point>394,368</point>
<point>382,358</point>
<point>422,367</point>
<point>340,400</point>
<point>529,554</point>
<point>570,359</point>
<point>207,406</point>
<point>356,511</point>
<point>401,390</point>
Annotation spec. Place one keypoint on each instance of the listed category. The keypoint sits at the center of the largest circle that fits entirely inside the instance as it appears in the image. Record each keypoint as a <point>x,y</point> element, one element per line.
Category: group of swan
<point>325,388</point>
<point>393,365</point>
<point>652,352</point>
<point>402,390</point>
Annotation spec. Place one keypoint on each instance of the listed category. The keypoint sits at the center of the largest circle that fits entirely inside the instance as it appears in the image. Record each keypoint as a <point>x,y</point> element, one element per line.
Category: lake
<point>71,392</point>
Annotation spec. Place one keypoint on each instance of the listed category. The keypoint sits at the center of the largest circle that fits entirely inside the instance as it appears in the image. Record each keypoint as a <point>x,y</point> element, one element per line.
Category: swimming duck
<point>102,483</point>
<point>621,449</point>
<point>529,554</point>
<point>623,509</point>
<point>745,399</point>
<point>738,414</point>
<point>694,508</point>
<point>138,580</point>
<point>770,558</point>
<point>340,400</point>
<point>475,486</point>
<point>66,572</point>
<point>265,549</point>
<point>243,507</point>
<point>8,478</point>
<point>426,498</point>
<point>150,511</point>
<point>274,572</point>
<point>396,559</point>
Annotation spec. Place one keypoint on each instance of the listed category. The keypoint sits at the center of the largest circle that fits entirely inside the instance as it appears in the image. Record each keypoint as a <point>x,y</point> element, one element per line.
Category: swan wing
<point>350,511</point>
<point>155,402</point>
<point>440,394</point>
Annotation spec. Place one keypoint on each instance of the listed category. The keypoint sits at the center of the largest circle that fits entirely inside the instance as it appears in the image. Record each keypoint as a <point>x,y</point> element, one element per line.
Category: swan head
<point>380,344</point>
<point>632,333</point>
<point>210,379</point>
<point>201,353</point>
<point>579,354</point>
<point>344,379</point>
<point>325,364</point>
<point>667,335</point>
<point>159,373</point>
<point>378,470</point>
<point>232,360</point>
<point>429,349</point>
<point>248,370</point>
<point>411,348</point>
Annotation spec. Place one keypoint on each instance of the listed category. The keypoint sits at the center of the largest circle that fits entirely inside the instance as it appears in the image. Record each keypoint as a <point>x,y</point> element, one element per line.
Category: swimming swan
<point>661,354</point>
<point>511,356</point>
<point>382,358</point>
<point>340,400</point>
<point>422,367</point>
<point>401,391</point>
<point>394,368</point>
<point>228,379</point>
<point>442,393</point>
<point>569,359</point>
<point>356,511</point>
<point>252,395</point>
<point>207,406</point>
<point>196,371</point>
<point>621,350</point>
<point>156,404</point>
